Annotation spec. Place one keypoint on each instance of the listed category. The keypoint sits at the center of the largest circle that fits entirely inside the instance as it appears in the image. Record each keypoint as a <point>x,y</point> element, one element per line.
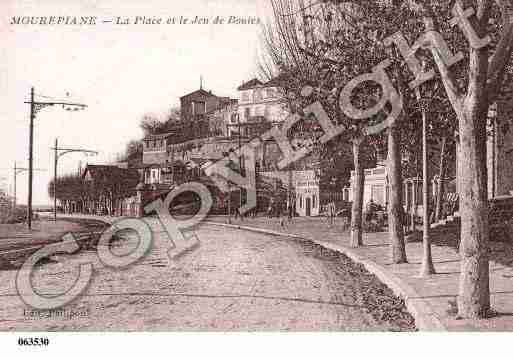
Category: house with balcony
<point>260,102</point>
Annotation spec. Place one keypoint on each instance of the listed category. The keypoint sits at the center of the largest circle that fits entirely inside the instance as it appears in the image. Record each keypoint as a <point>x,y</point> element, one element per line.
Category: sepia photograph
<point>255,166</point>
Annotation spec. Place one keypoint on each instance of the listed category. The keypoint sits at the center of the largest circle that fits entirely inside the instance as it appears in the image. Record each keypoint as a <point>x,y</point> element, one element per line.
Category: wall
<point>374,186</point>
<point>501,170</point>
<point>306,188</point>
<point>262,101</point>
<point>154,157</point>
<point>201,96</point>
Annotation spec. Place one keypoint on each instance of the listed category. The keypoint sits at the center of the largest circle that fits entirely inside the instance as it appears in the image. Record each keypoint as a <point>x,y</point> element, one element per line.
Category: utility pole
<point>58,155</point>
<point>173,165</point>
<point>55,181</point>
<point>240,162</point>
<point>17,171</point>
<point>14,196</point>
<point>229,203</point>
<point>35,107</point>
<point>31,143</point>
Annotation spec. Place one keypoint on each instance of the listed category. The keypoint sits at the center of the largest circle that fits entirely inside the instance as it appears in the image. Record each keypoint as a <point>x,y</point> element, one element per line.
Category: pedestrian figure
<point>270,209</point>
<point>331,212</point>
<point>280,216</point>
<point>371,210</point>
<point>290,210</point>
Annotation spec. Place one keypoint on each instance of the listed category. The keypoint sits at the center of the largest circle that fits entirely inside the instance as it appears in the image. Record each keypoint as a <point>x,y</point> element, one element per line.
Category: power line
<point>35,107</point>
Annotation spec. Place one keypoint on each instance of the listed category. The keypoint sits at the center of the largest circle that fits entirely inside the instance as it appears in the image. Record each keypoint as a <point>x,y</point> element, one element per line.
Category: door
<point>308,206</point>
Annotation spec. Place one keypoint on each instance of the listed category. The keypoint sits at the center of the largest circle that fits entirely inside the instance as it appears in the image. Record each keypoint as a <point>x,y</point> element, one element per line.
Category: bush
<point>19,216</point>
<point>372,226</point>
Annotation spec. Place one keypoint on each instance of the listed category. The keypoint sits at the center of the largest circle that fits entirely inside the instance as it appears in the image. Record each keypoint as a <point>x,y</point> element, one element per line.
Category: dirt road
<point>233,281</point>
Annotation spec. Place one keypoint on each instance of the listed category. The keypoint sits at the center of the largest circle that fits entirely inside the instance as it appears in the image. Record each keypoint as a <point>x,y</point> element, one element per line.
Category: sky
<point>119,71</point>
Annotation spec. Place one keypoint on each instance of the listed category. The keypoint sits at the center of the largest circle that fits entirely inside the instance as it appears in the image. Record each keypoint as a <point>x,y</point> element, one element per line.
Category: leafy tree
<point>151,125</point>
<point>325,46</point>
<point>133,152</point>
<point>474,70</point>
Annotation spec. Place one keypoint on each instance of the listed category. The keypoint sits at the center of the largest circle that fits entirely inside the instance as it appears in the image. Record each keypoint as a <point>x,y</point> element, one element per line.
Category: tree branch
<point>500,59</point>
<point>422,9</point>
<point>453,92</point>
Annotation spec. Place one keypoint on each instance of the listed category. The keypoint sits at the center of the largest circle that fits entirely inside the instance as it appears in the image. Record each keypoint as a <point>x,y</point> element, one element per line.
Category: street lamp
<point>427,267</point>
<point>239,142</point>
<point>226,154</point>
<point>35,107</point>
<point>58,155</point>
<point>240,161</point>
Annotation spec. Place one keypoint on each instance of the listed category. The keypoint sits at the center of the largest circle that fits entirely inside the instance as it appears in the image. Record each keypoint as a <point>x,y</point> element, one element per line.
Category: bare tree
<point>303,42</point>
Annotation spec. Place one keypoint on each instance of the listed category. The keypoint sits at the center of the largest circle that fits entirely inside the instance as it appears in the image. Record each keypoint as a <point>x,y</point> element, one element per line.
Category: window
<point>378,194</point>
<point>269,93</point>
<point>247,113</point>
<point>313,201</point>
<point>258,95</point>
<point>245,96</point>
<point>420,197</point>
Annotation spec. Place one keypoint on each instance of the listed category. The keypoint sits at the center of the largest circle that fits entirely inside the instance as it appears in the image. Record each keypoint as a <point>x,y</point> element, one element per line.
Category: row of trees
<point>327,43</point>
<point>105,192</point>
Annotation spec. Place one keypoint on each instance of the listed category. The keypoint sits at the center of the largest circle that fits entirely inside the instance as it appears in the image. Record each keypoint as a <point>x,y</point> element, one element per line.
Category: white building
<point>261,100</point>
<point>305,187</point>
<point>375,186</point>
<point>499,160</point>
<point>307,193</point>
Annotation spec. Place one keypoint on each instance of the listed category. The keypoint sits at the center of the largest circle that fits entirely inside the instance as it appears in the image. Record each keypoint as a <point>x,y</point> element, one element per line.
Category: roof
<point>147,165</point>
<point>159,135</point>
<point>176,162</point>
<point>201,92</point>
<point>250,84</point>
<point>112,173</point>
<point>276,81</point>
<point>223,104</point>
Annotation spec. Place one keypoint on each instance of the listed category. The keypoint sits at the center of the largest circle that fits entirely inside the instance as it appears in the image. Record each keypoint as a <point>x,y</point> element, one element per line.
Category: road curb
<point>425,318</point>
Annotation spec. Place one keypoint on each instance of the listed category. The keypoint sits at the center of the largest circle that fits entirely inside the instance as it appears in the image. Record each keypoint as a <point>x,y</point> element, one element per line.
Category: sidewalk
<point>435,296</point>
<point>431,300</point>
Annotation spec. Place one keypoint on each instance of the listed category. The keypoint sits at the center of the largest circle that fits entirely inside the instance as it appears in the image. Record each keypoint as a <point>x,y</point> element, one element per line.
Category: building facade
<point>261,100</point>
<point>500,150</point>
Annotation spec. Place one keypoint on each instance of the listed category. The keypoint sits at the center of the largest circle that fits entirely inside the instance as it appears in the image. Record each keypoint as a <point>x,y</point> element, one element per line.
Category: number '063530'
<point>33,341</point>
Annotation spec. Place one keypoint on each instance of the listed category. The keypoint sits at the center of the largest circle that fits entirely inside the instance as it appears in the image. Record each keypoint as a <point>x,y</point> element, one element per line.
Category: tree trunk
<point>414,201</point>
<point>395,205</point>
<point>474,290</point>
<point>357,206</point>
<point>441,180</point>
<point>427,268</point>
